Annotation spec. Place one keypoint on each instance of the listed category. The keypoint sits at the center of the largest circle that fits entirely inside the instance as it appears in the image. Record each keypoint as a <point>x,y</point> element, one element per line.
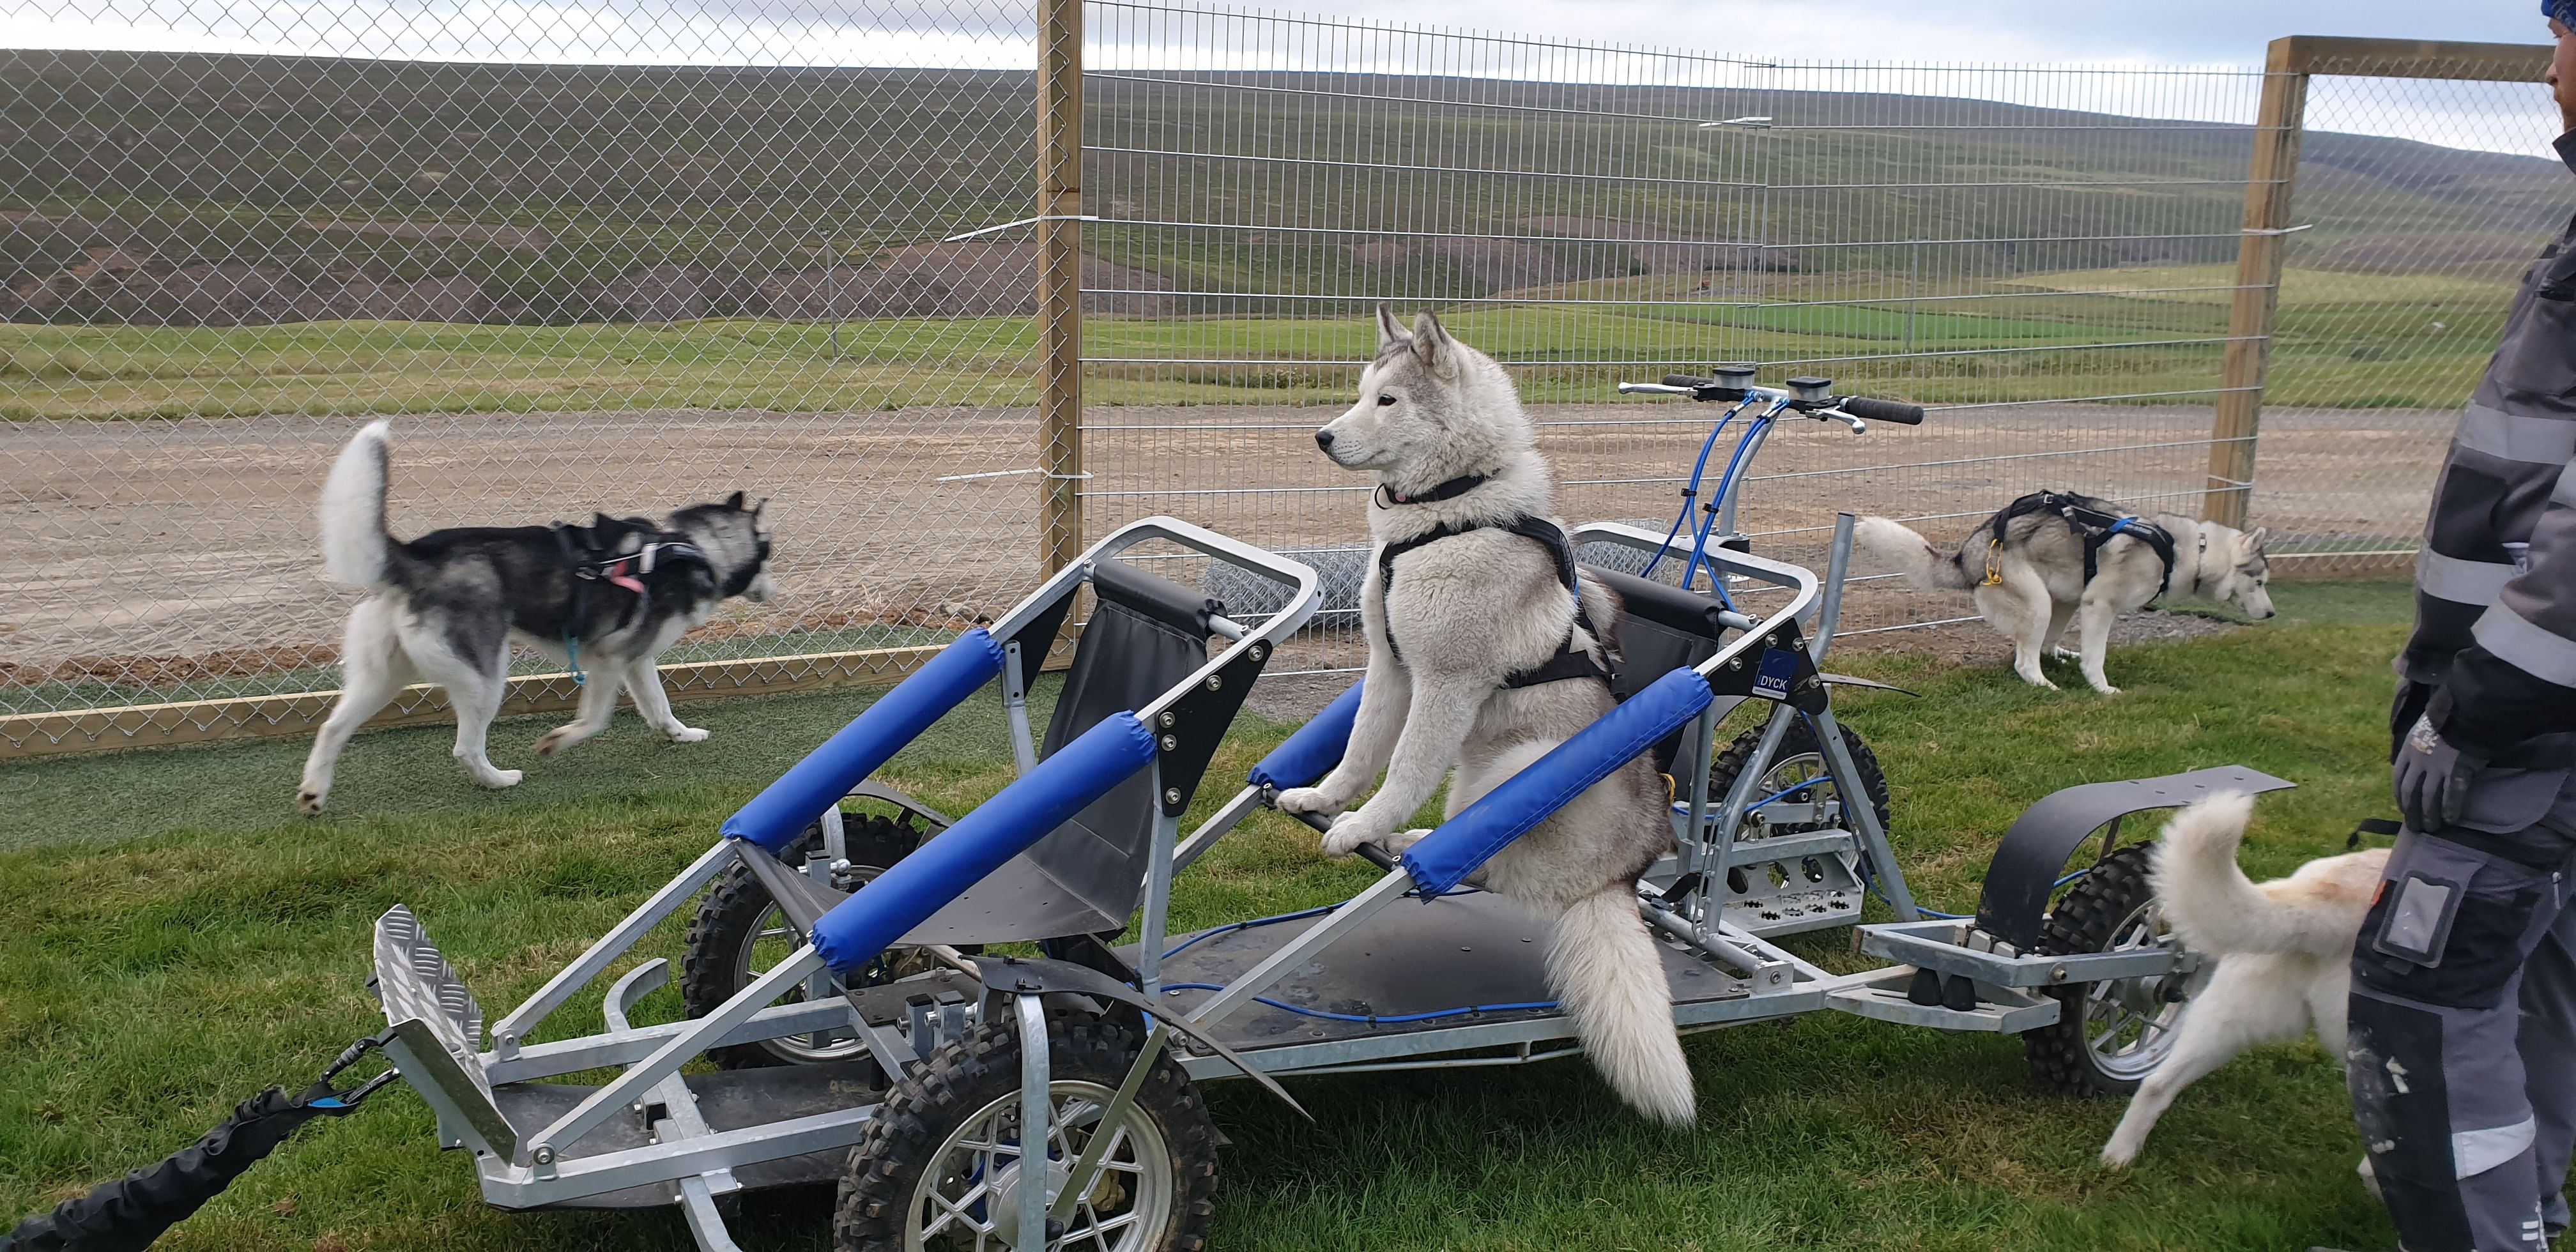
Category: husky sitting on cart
<point>920,1088</point>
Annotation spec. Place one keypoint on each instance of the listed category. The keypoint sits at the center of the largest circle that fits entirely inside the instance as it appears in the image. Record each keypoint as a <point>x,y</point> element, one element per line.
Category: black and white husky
<point>2054,559</point>
<point>606,598</point>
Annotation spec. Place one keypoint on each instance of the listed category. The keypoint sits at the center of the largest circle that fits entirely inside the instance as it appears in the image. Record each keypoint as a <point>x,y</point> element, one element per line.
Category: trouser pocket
<point>2451,924</point>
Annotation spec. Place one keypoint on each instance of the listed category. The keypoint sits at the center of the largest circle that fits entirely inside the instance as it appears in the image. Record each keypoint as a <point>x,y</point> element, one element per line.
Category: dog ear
<point>734,501</point>
<point>1389,330</point>
<point>2254,538</point>
<point>1432,343</point>
<point>756,509</point>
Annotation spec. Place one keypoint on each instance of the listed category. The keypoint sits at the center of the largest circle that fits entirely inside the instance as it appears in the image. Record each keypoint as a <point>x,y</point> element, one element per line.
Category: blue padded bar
<point>1316,747</point>
<point>816,783</point>
<point>1446,856</point>
<point>922,883</point>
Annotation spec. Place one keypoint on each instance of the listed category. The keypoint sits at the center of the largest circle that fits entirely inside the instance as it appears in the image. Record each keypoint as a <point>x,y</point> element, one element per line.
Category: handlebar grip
<point>1369,852</point>
<point>1882,411</point>
<point>1685,380</point>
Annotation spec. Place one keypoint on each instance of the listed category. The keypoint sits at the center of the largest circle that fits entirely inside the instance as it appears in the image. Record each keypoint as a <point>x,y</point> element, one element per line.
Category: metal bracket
<point>1213,702</point>
<point>1010,975</point>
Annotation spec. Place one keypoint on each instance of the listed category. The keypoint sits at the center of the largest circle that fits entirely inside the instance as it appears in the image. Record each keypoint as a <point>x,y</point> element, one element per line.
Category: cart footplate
<point>1474,950</point>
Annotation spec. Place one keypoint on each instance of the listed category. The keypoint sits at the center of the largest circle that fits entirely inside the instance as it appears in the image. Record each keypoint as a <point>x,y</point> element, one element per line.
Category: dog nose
<point>1324,440</point>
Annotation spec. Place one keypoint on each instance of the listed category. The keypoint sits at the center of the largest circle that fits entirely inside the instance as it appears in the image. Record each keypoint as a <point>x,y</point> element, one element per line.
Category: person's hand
<point>2433,777</point>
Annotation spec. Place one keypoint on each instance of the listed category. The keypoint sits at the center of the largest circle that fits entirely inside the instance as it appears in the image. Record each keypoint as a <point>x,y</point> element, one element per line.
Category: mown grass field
<point>2344,341</point>
<point>175,940</point>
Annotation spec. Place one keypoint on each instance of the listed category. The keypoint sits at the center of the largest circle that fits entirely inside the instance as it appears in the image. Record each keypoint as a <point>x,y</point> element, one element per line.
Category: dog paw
<point>552,743</point>
<point>2106,689</point>
<point>1307,800</point>
<point>688,734</point>
<point>309,803</point>
<point>500,778</point>
<point>2116,1155</point>
<point>1396,843</point>
<point>1347,834</point>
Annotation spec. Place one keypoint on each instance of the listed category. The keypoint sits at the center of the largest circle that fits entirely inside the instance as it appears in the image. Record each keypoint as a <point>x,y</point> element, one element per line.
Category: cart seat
<point>1662,628</point>
<point>1146,635</point>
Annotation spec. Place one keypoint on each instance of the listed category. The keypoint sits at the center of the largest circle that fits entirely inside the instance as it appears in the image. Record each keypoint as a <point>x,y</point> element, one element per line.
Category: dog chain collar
<point>1388,497</point>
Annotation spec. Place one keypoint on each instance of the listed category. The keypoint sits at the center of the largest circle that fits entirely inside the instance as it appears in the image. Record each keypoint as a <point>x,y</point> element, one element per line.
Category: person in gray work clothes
<point>2462,1060</point>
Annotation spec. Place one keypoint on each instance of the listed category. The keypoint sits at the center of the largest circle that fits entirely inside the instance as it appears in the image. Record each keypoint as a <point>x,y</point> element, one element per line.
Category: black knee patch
<point>2429,1219</point>
<point>2393,1065</point>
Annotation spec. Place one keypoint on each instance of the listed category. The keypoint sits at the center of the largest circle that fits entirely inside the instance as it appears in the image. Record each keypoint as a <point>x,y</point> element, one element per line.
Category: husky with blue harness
<point>1051,1101</point>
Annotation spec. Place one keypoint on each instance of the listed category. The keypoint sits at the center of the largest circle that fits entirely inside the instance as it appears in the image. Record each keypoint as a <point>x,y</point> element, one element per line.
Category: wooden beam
<point>200,721</point>
<point>2412,58</point>
<point>1060,281</point>
<point>2268,183</point>
<point>2313,566</point>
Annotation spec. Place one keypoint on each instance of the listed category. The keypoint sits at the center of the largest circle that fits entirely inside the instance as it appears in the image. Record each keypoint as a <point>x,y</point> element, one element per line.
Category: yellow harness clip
<point>1994,563</point>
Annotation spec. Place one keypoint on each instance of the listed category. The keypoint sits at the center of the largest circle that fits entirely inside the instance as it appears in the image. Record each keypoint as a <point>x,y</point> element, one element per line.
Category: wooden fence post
<point>2277,127</point>
<point>1060,280</point>
<point>2279,122</point>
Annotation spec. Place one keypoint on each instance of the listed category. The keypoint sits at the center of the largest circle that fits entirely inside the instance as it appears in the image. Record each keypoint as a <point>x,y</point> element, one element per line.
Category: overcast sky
<point>2187,31</point>
<point>1719,42</point>
<point>2195,32</point>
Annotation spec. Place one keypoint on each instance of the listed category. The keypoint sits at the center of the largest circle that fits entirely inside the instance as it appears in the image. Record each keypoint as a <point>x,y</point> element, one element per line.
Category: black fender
<point>2032,856</point>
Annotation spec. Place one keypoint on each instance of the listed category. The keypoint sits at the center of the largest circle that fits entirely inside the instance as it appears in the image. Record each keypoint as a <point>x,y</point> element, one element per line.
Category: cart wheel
<point>739,932</point>
<point>2110,1035</point>
<point>939,1166</point>
<point>1801,759</point>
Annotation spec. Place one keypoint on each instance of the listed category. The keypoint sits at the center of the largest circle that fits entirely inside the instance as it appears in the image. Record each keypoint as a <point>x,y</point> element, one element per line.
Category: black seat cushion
<point>1146,635</point>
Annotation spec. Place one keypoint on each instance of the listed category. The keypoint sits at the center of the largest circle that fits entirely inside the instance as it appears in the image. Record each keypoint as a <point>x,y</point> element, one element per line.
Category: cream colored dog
<point>2284,952</point>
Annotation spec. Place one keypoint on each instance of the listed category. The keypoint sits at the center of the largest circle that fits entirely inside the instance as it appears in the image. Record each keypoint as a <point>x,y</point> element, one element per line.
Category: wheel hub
<point>1005,1202</point>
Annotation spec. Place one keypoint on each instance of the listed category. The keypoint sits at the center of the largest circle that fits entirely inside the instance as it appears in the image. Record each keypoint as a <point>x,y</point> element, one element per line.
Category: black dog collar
<point>1450,490</point>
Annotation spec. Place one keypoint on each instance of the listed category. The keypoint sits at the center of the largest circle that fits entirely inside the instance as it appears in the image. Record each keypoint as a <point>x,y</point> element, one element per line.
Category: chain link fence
<point>806,261</point>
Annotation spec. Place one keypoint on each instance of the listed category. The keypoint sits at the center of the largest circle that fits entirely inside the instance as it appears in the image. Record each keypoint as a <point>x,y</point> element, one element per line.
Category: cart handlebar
<point>1813,397</point>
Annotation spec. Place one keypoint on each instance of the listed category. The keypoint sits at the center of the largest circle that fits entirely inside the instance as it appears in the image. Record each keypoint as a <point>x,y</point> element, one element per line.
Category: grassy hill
<point>533,181</point>
<point>363,204</point>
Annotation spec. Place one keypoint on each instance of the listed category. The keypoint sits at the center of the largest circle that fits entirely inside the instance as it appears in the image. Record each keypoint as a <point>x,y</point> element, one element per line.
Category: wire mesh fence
<point>2394,285</point>
<point>802,257</point>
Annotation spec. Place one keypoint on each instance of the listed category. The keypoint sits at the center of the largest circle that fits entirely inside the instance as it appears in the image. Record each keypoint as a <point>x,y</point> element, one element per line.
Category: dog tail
<point>1887,547</point>
<point>2209,901</point>
<point>1610,979</point>
<point>357,549</point>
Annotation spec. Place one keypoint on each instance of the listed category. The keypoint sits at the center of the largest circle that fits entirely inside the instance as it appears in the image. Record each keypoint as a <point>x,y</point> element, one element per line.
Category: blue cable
<point>1691,493</point>
<point>1725,488</point>
<point>1371,1019</point>
<point>1258,921</point>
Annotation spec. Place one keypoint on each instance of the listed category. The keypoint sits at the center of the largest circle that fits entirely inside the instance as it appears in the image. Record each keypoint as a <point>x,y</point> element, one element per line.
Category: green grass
<point>2330,334</point>
<point>176,940</point>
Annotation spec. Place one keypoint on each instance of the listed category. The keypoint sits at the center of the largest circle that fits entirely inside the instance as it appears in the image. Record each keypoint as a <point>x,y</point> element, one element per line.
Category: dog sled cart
<point>912,1080</point>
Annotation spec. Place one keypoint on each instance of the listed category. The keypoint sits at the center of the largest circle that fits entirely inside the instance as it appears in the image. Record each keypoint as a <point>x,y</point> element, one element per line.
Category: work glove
<point>2433,777</point>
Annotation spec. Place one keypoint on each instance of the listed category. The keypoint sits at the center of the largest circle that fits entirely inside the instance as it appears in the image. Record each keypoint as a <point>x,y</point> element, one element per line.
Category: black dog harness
<point>624,570</point>
<point>2094,526</point>
<point>1569,662</point>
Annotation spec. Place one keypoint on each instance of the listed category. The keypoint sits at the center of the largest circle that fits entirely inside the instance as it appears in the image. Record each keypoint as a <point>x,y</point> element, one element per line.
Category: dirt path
<point>189,539</point>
